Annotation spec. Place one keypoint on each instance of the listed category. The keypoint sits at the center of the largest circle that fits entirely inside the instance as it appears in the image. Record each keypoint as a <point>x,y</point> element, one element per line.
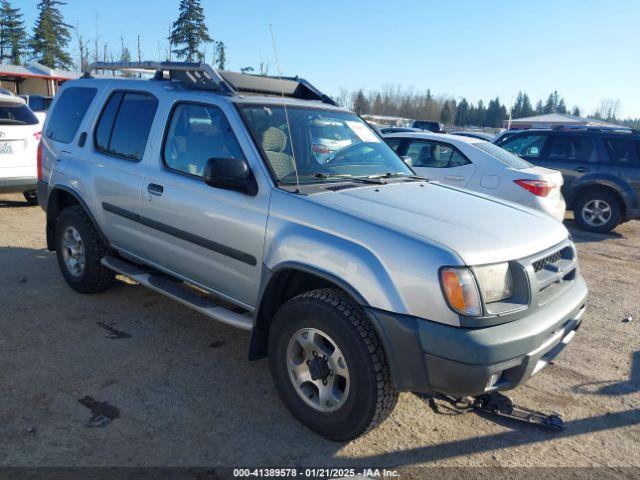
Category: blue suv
<point>601,170</point>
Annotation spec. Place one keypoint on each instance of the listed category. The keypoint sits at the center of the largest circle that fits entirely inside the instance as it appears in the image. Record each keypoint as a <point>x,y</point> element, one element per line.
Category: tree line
<point>49,41</point>
<point>408,103</point>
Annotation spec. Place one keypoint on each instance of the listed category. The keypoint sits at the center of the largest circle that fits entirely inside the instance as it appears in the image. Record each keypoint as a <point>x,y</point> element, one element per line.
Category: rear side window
<point>394,143</point>
<point>571,148</point>
<point>125,124</point>
<point>196,134</point>
<point>528,145</point>
<point>621,151</point>
<point>434,155</point>
<point>16,114</point>
<point>68,113</point>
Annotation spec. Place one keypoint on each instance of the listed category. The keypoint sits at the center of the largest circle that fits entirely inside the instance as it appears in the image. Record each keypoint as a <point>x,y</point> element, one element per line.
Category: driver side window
<point>196,134</point>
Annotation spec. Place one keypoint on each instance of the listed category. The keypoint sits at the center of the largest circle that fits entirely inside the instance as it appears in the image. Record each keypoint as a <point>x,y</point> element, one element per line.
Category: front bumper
<point>432,357</point>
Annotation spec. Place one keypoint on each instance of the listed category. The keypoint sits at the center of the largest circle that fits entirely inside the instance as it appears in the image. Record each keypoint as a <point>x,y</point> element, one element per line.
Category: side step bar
<point>173,289</point>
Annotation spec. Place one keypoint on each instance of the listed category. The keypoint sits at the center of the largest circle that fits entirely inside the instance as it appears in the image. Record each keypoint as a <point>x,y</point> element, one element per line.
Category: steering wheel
<point>339,155</point>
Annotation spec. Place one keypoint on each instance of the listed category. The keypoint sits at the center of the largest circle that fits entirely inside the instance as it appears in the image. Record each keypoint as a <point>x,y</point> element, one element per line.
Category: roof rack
<point>203,77</point>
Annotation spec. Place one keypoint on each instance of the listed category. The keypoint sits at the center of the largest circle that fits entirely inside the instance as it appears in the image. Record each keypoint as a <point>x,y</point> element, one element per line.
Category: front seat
<point>274,141</point>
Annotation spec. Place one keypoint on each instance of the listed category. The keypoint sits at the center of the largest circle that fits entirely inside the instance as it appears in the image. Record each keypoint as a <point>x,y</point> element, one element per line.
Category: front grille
<point>549,260</point>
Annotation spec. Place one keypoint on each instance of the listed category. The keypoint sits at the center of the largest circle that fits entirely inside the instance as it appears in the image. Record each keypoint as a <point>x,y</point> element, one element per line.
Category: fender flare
<point>53,211</point>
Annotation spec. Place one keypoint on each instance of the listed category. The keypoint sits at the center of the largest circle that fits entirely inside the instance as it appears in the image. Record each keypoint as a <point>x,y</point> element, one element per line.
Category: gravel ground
<point>181,392</point>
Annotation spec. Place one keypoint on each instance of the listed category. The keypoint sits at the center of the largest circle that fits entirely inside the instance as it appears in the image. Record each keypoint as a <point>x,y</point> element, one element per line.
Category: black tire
<point>371,396</point>
<point>95,277</point>
<point>607,198</point>
<point>31,197</point>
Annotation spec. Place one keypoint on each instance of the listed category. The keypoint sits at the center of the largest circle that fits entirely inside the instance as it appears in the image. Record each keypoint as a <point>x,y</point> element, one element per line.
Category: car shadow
<point>13,204</point>
<point>582,236</point>
<point>614,387</point>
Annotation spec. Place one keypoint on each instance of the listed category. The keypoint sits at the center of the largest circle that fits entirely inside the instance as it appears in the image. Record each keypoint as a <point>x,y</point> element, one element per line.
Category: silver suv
<point>357,278</point>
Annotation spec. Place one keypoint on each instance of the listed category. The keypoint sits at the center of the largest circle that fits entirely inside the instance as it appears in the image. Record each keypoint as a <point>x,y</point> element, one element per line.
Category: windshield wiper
<point>336,176</point>
<point>398,174</point>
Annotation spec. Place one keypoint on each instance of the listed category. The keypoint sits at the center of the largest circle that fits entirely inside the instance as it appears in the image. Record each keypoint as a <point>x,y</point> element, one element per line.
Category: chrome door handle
<point>155,189</point>
<point>455,178</point>
<point>582,169</point>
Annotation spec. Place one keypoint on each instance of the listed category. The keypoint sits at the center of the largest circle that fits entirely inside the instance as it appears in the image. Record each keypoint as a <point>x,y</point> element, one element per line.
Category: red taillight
<point>315,148</point>
<point>39,160</point>
<point>37,136</point>
<point>539,188</point>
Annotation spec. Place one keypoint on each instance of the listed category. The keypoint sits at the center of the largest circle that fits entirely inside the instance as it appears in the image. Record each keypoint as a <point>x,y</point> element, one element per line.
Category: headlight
<point>495,282</point>
<point>461,291</point>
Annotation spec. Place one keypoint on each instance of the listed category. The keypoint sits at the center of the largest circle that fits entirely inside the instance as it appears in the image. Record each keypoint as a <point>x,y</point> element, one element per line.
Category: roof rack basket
<point>203,77</point>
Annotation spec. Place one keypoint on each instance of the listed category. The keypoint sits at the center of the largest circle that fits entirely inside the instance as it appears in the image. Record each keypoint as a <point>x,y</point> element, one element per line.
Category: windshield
<point>17,115</point>
<point>325,145</point>
<point>503,155</point>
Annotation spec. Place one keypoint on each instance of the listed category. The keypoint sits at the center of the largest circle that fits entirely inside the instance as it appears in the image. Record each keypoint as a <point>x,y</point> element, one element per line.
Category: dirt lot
<point>185,394</point>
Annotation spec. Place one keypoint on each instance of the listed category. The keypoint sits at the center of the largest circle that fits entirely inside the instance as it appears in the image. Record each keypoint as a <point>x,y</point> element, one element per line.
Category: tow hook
<point>494,403</point>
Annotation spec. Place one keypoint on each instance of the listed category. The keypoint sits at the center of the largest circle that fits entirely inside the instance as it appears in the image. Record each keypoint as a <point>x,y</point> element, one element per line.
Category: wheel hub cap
<point>73,251</point>
<point>596,212</point>
<point>318,369</point>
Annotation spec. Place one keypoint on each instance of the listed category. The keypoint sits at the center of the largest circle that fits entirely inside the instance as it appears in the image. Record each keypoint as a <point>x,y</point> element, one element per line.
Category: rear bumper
<point>17,184</point>
<point>431,357</point>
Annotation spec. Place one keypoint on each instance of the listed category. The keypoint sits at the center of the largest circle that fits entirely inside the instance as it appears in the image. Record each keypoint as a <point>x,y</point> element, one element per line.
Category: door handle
<point>582,169</point>
<point>155,189</point>
<point>455,178</point>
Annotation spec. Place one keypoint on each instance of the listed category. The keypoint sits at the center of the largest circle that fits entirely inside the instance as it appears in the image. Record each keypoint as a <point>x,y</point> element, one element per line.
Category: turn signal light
<point>461,291</point>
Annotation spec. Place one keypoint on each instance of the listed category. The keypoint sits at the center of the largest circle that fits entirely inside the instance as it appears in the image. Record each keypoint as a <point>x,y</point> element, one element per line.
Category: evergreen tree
<point>189,31</point>
<point>516,111</point>
<point>13,36</point>
<point>51,36</point>
<point>221,56</point>
<point>576,112</point>
<point>462,113</point>
<point>562,108</point>
<point>527,109</point>
<point>445,114</point>
<point>539,108</point>
<point>481,113</point>
<point>360,103</point>
<point>377,105</point>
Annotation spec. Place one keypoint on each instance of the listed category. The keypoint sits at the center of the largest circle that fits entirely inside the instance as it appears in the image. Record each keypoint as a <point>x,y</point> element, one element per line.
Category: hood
<point>480,229</point>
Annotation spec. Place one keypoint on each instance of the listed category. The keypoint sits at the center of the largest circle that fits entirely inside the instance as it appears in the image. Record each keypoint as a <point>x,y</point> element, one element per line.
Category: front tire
<point>329,366</point>
<point>598,212</point>
<point>79,249</point>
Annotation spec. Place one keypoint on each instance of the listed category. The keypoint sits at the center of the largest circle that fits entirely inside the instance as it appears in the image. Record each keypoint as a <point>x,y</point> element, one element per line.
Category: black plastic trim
<point>183,235</point>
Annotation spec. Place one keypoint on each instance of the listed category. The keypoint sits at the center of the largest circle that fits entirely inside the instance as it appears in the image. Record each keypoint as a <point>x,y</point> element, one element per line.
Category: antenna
<point>286,114</point>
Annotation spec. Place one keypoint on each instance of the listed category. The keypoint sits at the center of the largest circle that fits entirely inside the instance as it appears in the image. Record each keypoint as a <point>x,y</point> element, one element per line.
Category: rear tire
<point>31,197</point>
<point>79,249</point>
<point>598,212</point>
<point>355,367</point>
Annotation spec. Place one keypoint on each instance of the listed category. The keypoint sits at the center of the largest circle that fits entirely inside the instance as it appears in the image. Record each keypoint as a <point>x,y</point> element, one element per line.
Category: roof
<point>36,70</point>
<point>442,137</point>
<point>562,118</point>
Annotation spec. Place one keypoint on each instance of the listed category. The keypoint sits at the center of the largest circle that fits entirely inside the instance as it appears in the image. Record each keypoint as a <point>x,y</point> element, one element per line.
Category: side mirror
<point>408,160</point>
<point>230,174</point>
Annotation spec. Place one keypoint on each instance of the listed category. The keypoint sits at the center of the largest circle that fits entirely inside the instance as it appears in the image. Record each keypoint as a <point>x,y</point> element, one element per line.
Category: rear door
<point>624,161</point>
<point>120,141</point>
<point>573,154</point>
<point>439,161</point>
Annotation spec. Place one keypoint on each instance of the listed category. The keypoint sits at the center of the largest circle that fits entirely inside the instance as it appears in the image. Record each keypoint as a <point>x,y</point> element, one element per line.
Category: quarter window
<point>125,124</point>
<point>196,134</point>
<point>394,143</point>
<point>528,145</point>
<point>434,155</point>
<point>68,113</point>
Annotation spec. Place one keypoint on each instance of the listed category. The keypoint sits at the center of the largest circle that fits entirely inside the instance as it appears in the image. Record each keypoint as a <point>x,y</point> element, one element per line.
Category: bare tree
<point>609,109</point>
<point>83,50</point>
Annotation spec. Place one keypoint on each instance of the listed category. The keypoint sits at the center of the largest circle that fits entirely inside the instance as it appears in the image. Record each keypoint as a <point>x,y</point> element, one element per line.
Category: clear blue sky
<point>586,49</point>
